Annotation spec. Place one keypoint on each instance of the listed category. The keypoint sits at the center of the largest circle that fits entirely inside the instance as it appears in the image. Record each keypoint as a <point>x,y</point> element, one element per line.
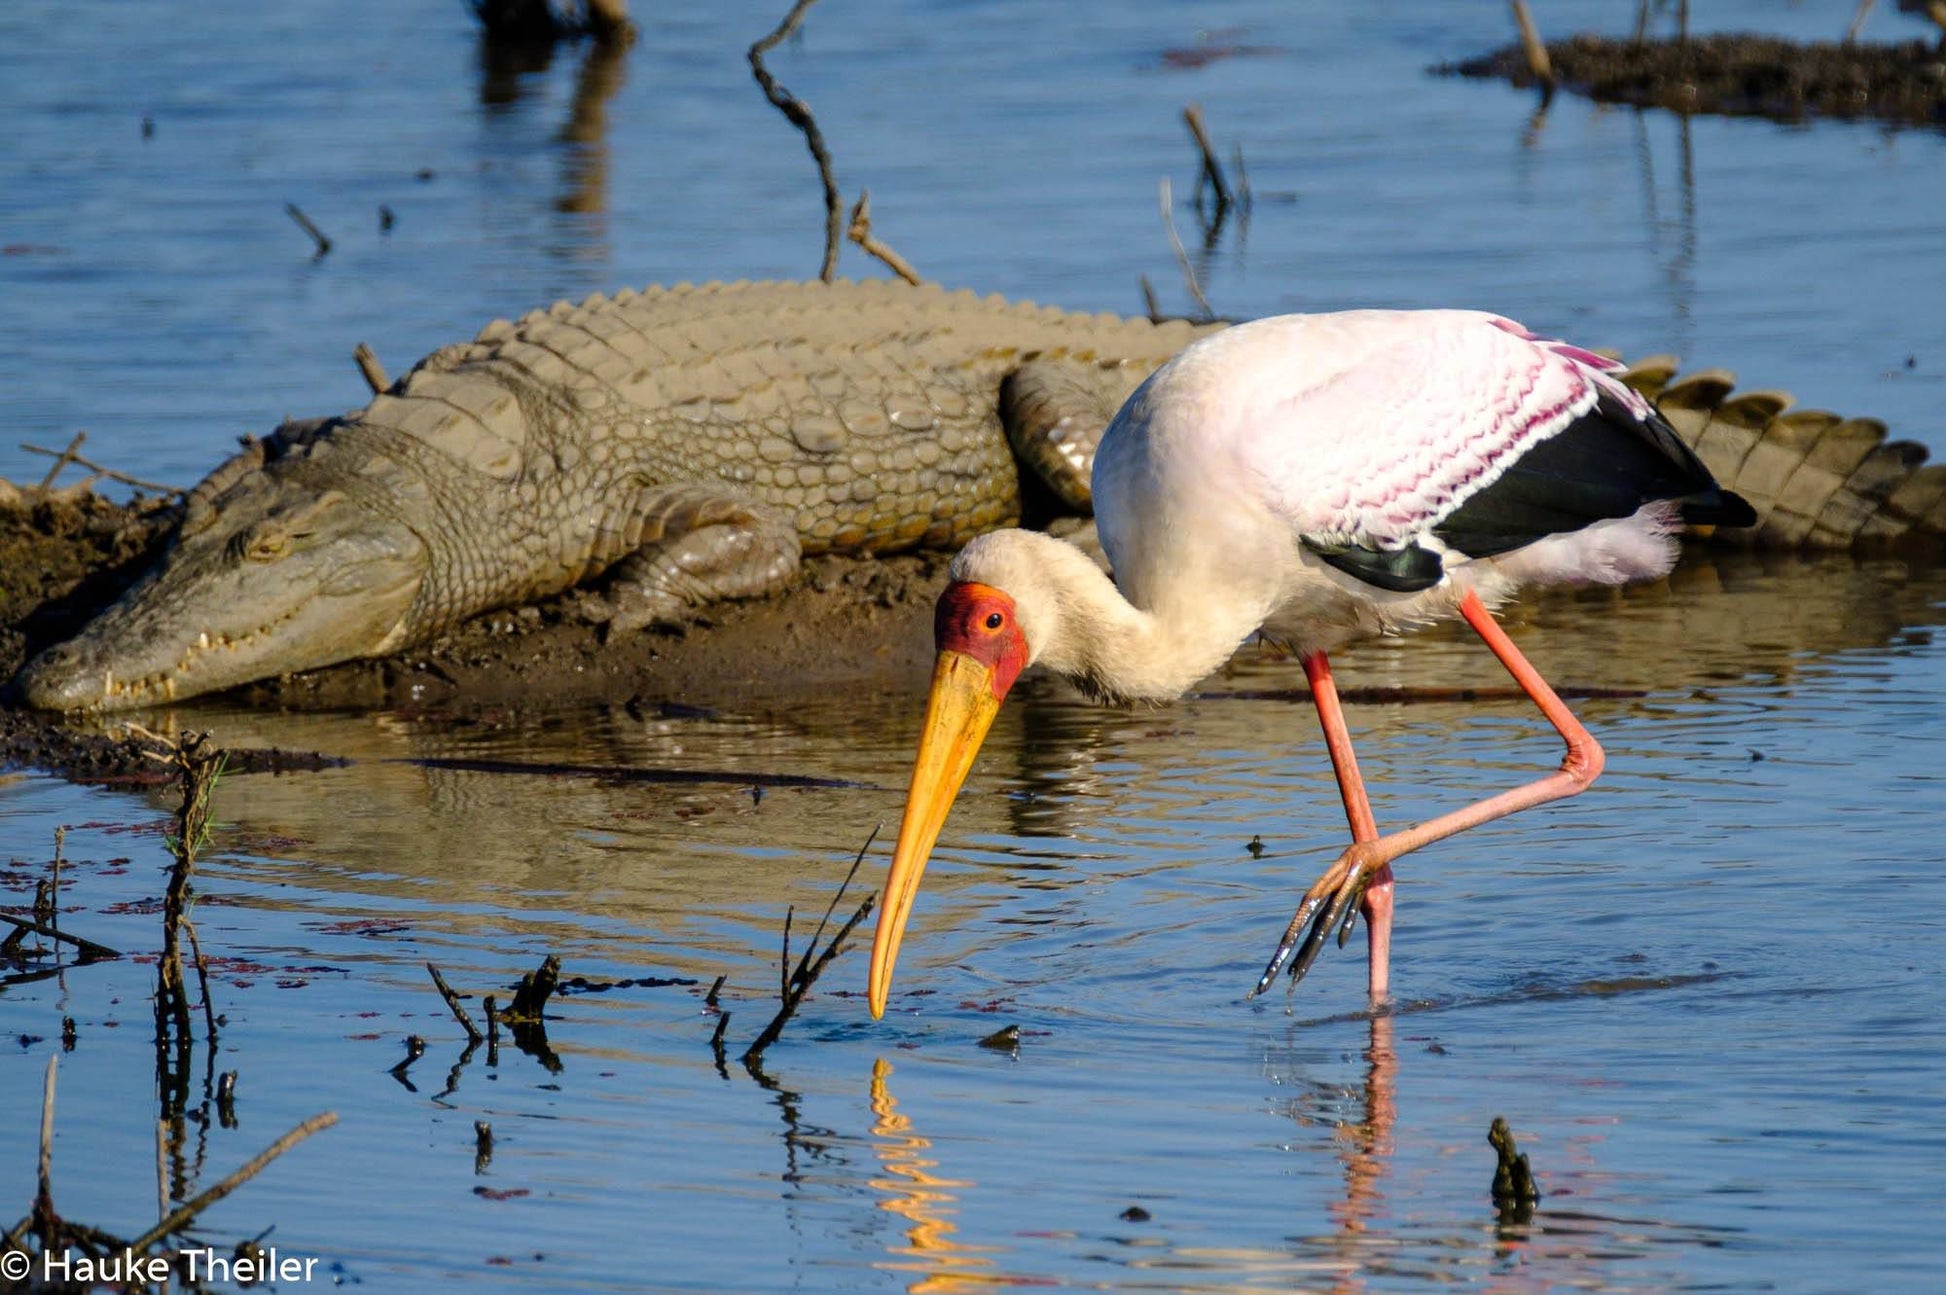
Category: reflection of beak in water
<point>1367,1148</point>
<point>914,1193</point>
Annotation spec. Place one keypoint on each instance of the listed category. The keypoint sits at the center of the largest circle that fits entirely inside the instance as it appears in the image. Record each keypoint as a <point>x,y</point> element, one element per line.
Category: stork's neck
<point>1079,624</point>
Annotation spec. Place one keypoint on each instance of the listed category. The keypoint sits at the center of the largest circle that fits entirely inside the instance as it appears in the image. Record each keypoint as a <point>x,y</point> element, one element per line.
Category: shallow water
<point>1705,995</point>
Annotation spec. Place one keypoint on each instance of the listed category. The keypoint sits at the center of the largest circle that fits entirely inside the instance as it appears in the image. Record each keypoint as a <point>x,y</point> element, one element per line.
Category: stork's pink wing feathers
<point>1373,426</point>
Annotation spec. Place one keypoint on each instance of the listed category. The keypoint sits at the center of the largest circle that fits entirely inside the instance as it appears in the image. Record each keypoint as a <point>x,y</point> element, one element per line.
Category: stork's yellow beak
<point>959,712</point>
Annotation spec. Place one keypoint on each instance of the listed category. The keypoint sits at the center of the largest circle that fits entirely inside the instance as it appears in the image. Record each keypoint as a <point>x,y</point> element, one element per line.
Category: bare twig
<point>1167,196</point>
<point>784,960</point>
<point>473,1035</point>
<point>608,22</point>
<point>860,232</point>
<point>1535,49</point>
<point>162,1169</point>
<point>832,907</point>
<point>1858,21</point>
<point>44,1196</point>
<point>797,984</point>
<point>368,365</point>
<point>304,223</point>
<point>1212,169</point>
<point>1150,304</point>
<point>68,456</point>
<point>60,842</point>
<point>64,458</point>
<point>185,1214</point>
<point>800,116</point>
<point>202,978</point>
<point>90,951</point>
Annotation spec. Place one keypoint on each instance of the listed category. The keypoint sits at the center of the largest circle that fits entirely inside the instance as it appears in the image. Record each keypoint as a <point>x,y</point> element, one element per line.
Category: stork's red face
<point>981,652</point>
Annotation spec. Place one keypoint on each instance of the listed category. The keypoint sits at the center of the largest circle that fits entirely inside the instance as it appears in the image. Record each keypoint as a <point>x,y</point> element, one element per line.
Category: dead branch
<point>799,115</point>
<point>202,979</point>
<point>54,871</point>
<point>64,458</point>
<point>860,232</point>
<point>68,456</point>
<point>797,984</point>
<point>44,1194</point>
<point>1213,175</point>
<point>525,1017</point>
<point>185,1214</point>
<point>531,995</point>
<point>368,364</point>
<point>609,24</point>
<point>1167,196</point>
<point>1536,51</point>
<point>1858,21</point>
<point>304,223</point>
<point>90,951</point>
<point>473,1035</point>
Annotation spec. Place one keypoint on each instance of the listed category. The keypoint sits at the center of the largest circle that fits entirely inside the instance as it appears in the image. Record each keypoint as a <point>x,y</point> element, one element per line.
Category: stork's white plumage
<point>1323,478</point>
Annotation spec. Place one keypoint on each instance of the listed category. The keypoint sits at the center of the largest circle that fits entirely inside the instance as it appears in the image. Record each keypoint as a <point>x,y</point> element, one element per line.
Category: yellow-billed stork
<point>1321,478</point>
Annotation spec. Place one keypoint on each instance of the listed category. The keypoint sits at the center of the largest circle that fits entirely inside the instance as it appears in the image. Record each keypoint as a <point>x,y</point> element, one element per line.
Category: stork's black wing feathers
<point>1605,464</point>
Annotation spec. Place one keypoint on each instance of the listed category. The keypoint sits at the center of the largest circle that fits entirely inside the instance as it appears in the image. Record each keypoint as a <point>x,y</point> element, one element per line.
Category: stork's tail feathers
<point>1811,479</point>
<point>1717,507</point>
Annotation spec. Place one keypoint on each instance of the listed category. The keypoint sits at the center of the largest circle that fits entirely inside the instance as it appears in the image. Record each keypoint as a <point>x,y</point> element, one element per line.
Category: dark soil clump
<point>65,554</point>
<point>1740,75</point>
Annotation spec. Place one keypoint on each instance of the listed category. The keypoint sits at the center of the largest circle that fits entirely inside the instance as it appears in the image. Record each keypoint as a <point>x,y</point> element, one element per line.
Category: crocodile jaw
<point>207,619</point>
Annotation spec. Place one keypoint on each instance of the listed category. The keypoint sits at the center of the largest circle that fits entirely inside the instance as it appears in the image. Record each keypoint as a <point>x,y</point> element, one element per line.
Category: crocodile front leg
<point>698,546</point>
<point>1055,411</point>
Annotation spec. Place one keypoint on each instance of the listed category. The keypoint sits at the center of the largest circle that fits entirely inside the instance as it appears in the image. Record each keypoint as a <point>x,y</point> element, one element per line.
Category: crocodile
<point>694,443</point>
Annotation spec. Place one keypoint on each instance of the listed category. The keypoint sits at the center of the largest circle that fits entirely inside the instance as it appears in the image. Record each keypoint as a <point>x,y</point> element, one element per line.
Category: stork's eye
<point>995,620</point>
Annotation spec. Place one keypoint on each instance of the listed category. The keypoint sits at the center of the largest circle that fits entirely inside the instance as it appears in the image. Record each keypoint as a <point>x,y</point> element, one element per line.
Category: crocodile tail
<point>1816,480</point>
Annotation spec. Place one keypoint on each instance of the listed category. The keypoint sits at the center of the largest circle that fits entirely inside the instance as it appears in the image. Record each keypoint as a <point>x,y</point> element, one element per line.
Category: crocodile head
<point>264,578</point>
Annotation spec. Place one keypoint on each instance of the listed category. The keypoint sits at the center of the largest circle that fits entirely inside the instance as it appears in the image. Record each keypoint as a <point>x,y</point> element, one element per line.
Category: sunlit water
<point>1706,995</point>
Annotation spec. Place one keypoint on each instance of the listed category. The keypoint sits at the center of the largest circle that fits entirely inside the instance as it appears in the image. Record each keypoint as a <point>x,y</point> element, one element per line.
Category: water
<point>1705,994</point>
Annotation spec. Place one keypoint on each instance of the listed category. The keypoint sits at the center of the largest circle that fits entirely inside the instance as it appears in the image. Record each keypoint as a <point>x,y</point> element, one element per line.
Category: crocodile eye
<point>995,620</point>
<point>266,547</point>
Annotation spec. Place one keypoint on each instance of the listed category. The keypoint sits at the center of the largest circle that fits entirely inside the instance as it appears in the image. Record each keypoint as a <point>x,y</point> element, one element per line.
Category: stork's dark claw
<point>1287,944</point>
<point>1322,918</point>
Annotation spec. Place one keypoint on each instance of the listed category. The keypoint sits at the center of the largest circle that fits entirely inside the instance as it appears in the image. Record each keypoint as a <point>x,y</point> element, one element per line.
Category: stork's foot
<point>1331,904</point>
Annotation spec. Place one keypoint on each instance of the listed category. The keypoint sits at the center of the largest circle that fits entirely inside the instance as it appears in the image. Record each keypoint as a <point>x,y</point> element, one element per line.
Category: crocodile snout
<point>60,679</point>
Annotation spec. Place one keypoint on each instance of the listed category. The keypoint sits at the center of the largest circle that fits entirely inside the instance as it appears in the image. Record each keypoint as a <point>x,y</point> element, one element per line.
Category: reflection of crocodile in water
<point>693,443</point>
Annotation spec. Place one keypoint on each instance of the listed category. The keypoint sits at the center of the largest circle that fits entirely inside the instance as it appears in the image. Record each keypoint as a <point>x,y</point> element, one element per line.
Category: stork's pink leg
<point>1362,864</point>
<point>1376,903</point>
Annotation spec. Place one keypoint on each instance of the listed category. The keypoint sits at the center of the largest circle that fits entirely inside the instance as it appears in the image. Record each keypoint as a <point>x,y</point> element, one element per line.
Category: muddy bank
<point>844,623</point>
<point>1740,75</point>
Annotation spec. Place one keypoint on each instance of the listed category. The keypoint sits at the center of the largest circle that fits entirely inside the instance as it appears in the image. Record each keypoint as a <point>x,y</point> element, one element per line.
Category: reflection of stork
<point>1320,478</point>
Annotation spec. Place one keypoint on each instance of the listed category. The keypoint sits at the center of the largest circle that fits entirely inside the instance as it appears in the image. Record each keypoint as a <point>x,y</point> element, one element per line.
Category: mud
<point>1740,75</point>
<point>844,623</point>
